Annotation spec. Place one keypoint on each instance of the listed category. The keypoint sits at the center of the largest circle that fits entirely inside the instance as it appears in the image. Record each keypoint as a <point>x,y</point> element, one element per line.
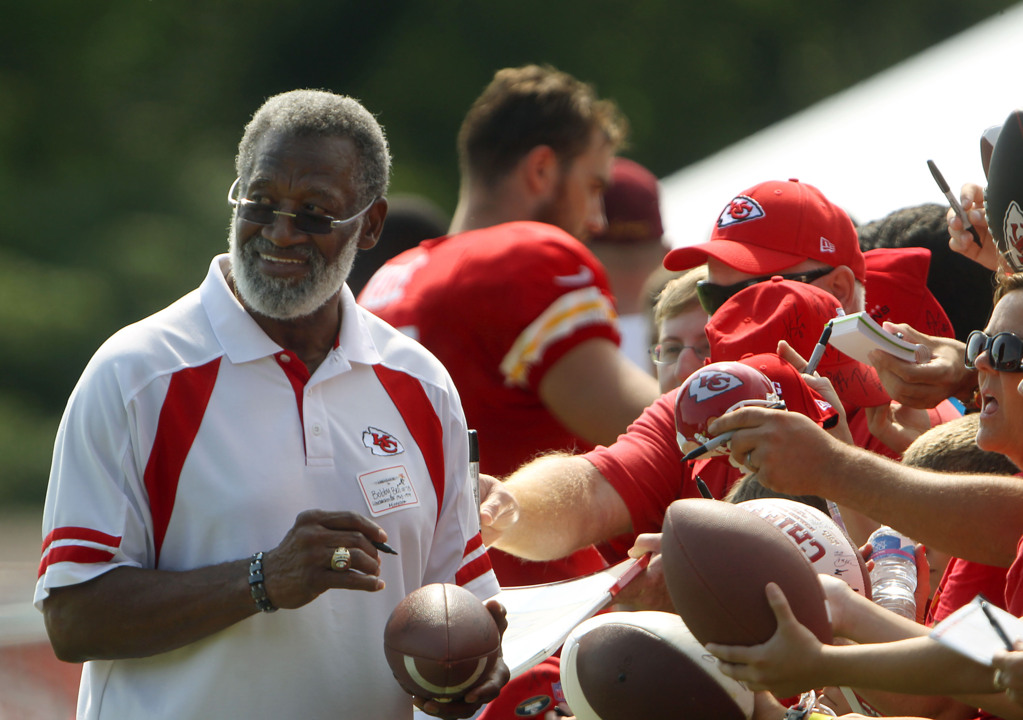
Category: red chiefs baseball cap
<point>530,694</point>
<point>756,318</point>
<point>897,291</point>
<point>774,225</point>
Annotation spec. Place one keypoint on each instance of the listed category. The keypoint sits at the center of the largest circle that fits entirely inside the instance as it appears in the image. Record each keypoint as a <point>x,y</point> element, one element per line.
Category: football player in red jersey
<point>511,301</point>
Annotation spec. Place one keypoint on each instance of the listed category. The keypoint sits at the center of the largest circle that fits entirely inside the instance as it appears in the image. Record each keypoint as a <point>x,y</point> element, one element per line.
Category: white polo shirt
<point>193,439</point>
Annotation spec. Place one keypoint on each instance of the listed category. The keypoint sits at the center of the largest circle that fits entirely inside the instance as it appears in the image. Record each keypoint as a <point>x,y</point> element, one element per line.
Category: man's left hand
<point>485,690</point>
<point>499,509</point>
<point>646,591</point>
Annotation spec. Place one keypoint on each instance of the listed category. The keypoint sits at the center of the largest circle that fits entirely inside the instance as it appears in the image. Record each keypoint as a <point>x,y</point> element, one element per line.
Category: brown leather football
<point>717,560</point>
<point>440,640</point>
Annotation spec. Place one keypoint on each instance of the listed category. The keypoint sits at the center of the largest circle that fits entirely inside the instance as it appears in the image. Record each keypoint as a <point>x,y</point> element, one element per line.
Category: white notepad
<point>969,632</point>
<point>540,617</point>
<point>857,334</point>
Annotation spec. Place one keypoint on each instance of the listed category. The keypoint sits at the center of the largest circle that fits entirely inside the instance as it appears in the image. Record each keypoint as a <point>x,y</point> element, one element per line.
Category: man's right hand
<point>924,385</point>
<point>298,570</point>
<point>961,241</point>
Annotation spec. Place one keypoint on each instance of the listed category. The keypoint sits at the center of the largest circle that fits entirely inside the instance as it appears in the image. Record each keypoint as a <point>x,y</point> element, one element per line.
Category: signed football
<point>829,550</point>
<point>718,558</point>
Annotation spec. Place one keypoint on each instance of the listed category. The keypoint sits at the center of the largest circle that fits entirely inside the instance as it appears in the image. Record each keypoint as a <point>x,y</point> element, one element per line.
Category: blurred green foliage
<point>120,119</point>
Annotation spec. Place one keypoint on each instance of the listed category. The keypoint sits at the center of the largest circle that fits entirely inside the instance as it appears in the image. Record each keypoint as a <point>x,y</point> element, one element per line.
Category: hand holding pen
<point>818,350</point>
<point>718,440</point>
<point>954,202</point>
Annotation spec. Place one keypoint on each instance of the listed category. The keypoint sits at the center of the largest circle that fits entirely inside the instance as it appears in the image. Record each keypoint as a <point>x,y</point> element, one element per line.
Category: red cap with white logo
<point>774,225</point>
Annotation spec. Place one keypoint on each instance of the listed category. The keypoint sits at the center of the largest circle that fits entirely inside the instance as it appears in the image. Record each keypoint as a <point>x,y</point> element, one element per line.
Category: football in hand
<point>440,640</point>
<point>717,559</point>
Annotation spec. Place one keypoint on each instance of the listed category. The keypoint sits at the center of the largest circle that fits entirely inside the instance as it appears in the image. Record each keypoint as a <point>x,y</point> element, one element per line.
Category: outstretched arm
<point>794,660</point>
<point>564,504</point>
<point>988,509</point>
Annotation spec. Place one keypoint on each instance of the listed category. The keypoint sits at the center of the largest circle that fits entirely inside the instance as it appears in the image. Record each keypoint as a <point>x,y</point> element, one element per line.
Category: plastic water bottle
<point>893,579</point>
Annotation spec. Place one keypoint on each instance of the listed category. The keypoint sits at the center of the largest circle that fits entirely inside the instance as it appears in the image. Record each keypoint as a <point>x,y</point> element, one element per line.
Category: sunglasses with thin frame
<point>306,222</point>
<point>713,296</point>
<point>1004,350</point>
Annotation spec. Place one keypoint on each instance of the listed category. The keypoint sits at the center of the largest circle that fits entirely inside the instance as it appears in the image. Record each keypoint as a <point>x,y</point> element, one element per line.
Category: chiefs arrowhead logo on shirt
<point>741,209</point>
<point>381,443</point>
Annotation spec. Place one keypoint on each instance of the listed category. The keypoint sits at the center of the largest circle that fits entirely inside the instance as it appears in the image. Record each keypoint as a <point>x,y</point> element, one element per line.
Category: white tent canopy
<point>867,147</point>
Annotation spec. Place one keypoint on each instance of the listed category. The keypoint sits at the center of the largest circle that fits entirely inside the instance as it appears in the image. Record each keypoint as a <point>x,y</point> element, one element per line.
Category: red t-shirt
<point>1014,583</point>
<point>962,581</point>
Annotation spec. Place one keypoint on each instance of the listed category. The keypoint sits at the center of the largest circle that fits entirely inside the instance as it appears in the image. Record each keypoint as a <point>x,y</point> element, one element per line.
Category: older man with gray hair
<point>254,447</point>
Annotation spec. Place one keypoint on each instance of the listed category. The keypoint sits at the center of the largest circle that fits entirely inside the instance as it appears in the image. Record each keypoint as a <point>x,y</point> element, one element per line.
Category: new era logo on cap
<point>827,246</point>
<point>741,209</point>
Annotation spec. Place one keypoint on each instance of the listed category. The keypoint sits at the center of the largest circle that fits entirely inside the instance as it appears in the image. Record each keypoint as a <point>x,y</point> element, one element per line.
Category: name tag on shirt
<point>388,490</point>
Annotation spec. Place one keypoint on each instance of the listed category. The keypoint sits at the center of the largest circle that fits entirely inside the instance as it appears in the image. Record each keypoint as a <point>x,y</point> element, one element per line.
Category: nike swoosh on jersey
<point>583,277</point>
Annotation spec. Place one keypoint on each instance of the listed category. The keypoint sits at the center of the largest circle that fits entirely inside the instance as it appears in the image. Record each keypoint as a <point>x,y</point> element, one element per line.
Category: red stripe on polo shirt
<point>474,544</point>
<point>75,554</point>
<point>473,569</point>
<point>180,417</point>
<point>409,397</point>
<point>81,533</point>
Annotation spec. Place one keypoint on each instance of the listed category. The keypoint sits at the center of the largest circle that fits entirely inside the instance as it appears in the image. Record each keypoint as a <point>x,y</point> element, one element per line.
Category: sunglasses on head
<point>306,222</point>
<point>713,296</point>
<point>1004,350</point>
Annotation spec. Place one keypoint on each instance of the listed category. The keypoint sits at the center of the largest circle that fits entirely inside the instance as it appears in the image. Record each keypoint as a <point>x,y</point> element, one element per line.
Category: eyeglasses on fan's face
<point>669,351</point>
<point>306,222</point>
<point>713,296</point>
<point>1004,350</point>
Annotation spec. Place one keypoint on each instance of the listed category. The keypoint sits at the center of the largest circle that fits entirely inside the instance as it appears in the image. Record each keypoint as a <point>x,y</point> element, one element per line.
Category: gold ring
<point>749,461</point>
<point>341,559</point>
<point>1000,680</point>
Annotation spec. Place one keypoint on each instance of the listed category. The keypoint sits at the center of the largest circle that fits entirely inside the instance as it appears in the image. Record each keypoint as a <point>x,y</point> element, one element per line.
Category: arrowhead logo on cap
<point>827,246</point>
<point>741,209</point>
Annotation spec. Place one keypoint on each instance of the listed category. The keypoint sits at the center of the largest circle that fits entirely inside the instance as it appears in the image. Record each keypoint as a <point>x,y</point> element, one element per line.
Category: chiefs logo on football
<point>1012,230</point>
<point>711,384</point>
<point>381,443</point>
<point>741,209</point>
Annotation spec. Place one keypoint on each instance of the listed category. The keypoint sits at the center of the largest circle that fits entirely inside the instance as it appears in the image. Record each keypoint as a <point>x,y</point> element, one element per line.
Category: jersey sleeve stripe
<point>80,533</point>
<point>569,312</point>
<point>421,420</point>
<point>180,417</point>
<point>75,554</point>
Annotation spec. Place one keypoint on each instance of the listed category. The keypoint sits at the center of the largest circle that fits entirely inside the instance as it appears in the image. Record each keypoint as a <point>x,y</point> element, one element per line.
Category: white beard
<point>283,299</point>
